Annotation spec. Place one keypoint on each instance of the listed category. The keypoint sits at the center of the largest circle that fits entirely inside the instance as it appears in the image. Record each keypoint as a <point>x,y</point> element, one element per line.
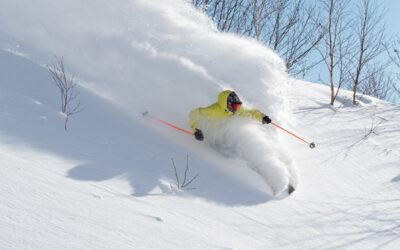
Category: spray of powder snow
<point>162,56</point>
<point>239,137</point>
<point>165,57</point>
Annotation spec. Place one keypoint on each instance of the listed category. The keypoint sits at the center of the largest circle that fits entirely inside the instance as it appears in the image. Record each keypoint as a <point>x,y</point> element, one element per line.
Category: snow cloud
<point>161,56</point>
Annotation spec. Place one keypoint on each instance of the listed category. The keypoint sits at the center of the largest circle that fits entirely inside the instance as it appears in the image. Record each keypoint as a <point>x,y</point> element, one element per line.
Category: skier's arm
<point>207,112</point>
<point>195,115</point>
<point>253,114</point>
<point>194,119</point>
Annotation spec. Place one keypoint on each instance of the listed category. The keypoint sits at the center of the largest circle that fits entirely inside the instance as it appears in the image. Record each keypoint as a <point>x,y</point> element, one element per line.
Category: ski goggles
<point>234,107</point>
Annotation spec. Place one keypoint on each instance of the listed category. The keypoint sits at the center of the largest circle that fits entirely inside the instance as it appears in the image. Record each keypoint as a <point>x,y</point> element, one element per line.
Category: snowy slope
<point>106,182</point>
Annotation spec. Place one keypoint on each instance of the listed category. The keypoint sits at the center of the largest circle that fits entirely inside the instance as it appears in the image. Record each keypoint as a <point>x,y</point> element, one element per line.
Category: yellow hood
<point>223,99</point>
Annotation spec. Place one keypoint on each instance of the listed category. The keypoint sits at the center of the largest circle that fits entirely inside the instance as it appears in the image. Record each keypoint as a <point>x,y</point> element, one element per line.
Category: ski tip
<point>312,145</point>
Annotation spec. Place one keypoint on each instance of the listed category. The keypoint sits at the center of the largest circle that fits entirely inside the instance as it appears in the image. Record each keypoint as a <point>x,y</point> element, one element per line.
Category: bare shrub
<point>186,182</point>
<point>70,105</point>
<point>373,129</point>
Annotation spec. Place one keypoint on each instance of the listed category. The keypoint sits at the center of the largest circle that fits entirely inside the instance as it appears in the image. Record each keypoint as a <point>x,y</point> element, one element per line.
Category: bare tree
<point>65,83</point>
<point>337,44</point>
<point>377,83</point>
<point>228,15</point>
<point>349,44</point>
<point>293,32</point>
<point>370,35</point>
<point>394,55</point>
<point>260,13</point>
<point>287,26</point>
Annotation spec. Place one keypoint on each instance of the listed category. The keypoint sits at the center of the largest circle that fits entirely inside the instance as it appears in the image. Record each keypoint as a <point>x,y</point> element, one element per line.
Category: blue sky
<point>392,17</point>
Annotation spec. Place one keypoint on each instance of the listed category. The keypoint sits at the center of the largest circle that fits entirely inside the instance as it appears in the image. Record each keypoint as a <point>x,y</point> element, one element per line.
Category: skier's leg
<point>273,172</point>
<point>291,168</point>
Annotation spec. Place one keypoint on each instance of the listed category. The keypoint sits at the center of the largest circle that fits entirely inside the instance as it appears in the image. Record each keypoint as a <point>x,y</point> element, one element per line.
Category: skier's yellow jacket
<point>219,110</point>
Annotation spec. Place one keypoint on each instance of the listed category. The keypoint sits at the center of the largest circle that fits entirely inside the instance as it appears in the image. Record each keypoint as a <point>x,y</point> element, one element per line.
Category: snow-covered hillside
<point>108,181</point>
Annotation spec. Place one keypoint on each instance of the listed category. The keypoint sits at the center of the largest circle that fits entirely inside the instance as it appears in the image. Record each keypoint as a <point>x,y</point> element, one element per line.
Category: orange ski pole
<point>166,123</point>
<point>311,145</point>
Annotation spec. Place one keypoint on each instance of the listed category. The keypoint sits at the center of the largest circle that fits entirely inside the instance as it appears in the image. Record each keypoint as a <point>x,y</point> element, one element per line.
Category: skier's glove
<point>198,134</point>
<point>266,120</point>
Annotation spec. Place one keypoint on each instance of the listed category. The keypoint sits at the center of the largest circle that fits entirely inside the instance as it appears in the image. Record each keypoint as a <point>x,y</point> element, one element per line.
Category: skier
<point>228,104</point>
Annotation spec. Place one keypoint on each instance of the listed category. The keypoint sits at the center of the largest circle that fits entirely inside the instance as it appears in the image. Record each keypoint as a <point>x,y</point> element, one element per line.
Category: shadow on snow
<point>106,142</point>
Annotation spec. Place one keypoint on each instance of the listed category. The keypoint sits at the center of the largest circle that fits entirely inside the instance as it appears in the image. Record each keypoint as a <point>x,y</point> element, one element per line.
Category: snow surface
<point>108,182</point>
